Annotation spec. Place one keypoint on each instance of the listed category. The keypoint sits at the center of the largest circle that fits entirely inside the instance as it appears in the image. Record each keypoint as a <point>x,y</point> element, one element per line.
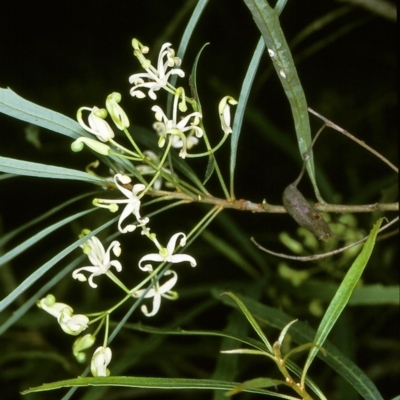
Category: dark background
<point>69,54</point>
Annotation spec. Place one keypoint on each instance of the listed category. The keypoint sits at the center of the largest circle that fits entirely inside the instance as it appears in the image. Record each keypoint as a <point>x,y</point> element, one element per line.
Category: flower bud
<point>80,344</point>
<point>98,147</point>
<point>116,112</point>
<point>225,113</point>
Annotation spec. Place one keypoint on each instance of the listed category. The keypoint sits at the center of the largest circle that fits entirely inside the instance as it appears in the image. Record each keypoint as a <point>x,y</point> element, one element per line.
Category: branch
<point>245,205</point>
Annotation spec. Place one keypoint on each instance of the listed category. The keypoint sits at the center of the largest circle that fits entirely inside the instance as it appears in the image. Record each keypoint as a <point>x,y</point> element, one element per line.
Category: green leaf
<point>267,21</point>
<point>241,107</point>
<point>187,34</point>
<point>342,296</point>
<point>243,99</point>
<point>252,321</point>
<point>27,168</point>
<point>363,295</point>
<point>193,80</point>
<point>17,107</point>
<point>7,257</point>
<point>210,168</point>
<point>280,5</point>
<point>140,382</point>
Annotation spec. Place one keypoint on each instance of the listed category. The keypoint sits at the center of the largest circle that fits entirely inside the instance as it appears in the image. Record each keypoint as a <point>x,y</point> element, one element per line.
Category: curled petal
<point>172,242</point>
<point>150,257</point>
<point>178,258</point>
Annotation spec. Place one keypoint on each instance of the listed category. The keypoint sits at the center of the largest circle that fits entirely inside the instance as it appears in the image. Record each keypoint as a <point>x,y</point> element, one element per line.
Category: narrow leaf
<point>7,257</point>
<point>17,107</point>
<point>187,34</point>
<point>27,168</point>
<point>140,382</point>
<point>342,296</point>
<point>251,320</point>
<point>241,107</point>
<point>267,21</point>
<point>28,282</point>
<point>210,169</point>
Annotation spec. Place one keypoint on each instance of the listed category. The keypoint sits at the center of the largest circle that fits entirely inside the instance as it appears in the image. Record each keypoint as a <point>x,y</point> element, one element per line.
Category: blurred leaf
<point>363,295</point>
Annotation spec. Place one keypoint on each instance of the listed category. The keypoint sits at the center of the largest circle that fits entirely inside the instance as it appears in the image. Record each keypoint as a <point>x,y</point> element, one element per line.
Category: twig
<point>349,135</point>
<point>323,255</point>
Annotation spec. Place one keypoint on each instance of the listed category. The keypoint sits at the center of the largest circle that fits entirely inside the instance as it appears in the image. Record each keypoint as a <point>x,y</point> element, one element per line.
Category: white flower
<point>101,358</point>
<point>158,291</point>
<point>166,254</point>
<point>100,260</point>
<point>72,324</point>
<point>116,112</point>
<point>97,125</point>
<point>178,129</point>
<point>225,113</point>
<point>132,203</point>
<point>157,78</point>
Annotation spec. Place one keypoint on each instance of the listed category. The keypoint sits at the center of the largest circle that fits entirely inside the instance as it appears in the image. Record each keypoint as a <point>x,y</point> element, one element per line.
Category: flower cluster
<point>180,130</point>
<point>154,79</point>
